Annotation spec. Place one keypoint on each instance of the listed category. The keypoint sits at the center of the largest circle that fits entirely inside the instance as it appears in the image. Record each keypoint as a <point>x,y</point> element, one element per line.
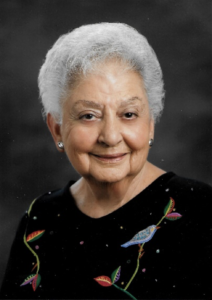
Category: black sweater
<point>61,253</point>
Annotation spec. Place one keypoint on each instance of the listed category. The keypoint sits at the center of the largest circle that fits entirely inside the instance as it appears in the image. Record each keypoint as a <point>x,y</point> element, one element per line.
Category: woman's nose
<point>110,134</point>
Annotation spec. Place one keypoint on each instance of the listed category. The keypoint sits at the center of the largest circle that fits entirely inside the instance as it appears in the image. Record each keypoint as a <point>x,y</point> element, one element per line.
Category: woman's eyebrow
<point>88,103</point>
<point>93,104</point>
<point>130,101</point>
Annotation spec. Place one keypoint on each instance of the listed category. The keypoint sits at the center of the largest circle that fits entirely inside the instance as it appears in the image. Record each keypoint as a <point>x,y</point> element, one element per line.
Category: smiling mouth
<point>110,157</point>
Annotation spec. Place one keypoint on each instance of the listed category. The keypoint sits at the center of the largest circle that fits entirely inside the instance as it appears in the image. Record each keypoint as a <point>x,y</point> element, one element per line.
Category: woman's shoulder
<point>191,195</point>
<point>182,185</point>
<point>52,200</point>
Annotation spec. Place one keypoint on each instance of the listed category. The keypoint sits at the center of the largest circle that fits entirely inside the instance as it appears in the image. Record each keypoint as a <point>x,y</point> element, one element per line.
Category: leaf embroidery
<point>36,281</point>
<point>116,275</point>
<point>169,207</point>
<point>35,266</point>
<point>103,280</point>
<point>34,236</point>
<point>173,216</point>
<point>28,279</point>
<point>35,278</point>
<point>106,281</point>
<point>141,251</point>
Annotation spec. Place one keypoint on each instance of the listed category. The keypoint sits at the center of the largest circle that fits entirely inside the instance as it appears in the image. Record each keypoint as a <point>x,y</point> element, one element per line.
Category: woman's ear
<point>55,130</point>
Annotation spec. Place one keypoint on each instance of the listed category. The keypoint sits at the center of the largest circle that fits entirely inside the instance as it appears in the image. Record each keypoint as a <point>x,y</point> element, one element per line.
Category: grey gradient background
<point>180,33</point>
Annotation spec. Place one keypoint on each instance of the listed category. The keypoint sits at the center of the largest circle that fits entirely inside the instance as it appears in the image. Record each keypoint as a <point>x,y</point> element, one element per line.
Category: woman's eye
<point>129,115</point>
<point>87,117</point>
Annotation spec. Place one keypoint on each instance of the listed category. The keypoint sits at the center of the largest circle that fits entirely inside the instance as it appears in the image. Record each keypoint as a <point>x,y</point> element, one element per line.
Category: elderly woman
<point>126,229</point>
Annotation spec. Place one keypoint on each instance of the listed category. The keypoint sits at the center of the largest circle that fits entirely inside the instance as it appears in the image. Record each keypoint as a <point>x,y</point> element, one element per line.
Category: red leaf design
<point>103,280</point>
<point>173,216</point>
<point>34,235</point>
<point>36,281</point>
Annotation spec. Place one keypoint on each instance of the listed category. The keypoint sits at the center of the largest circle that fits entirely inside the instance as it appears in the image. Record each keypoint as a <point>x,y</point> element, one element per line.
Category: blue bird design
<point>142,236</point>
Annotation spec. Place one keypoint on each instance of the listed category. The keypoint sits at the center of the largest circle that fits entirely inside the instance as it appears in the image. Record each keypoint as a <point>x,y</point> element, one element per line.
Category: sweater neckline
<point>157,184</point>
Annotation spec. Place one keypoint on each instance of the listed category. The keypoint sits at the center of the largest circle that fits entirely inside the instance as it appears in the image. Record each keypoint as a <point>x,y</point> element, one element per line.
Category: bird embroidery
<point>142,236</point>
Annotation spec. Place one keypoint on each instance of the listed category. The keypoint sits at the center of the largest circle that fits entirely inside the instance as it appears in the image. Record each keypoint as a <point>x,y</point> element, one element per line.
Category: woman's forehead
<point>109,81</point>
<point>101,70</point>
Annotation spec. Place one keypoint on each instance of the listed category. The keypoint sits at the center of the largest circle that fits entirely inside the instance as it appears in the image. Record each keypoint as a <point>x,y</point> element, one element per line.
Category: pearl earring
<point>60,145</point>
<point>151,141</point>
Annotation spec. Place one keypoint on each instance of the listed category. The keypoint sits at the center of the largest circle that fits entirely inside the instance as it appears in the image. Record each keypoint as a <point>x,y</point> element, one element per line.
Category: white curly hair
<point>78,52</point>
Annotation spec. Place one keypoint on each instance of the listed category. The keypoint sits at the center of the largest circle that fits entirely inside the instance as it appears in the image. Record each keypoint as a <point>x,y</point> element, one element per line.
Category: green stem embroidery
<point>136,270</point>
<point>30,208</point>
<point>25,242</point>
<point>33,252</point>
<point>137,266</point>
<point>131,296</point>
<point>161,220</point>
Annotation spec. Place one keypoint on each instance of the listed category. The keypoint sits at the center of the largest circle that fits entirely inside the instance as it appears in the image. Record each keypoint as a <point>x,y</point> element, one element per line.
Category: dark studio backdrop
<point>180,33</point>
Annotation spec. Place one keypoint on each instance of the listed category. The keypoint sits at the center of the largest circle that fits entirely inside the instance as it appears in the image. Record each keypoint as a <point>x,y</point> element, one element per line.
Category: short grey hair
<point>78,51</point>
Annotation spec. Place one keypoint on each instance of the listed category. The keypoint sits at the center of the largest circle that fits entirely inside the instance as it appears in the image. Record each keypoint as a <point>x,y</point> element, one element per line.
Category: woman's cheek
<point>137,139</point>
<point>82,139</point>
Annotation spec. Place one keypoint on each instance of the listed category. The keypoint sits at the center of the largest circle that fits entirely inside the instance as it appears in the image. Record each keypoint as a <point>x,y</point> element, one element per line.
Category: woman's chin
<point>108,177</point>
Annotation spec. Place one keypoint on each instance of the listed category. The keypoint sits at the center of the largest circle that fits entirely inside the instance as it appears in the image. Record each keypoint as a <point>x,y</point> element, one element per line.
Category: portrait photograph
<point>106,149</point>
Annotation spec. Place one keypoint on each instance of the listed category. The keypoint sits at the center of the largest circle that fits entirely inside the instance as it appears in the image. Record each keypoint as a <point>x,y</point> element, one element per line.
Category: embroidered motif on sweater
<point>34,278</point>
<point>140,238</point>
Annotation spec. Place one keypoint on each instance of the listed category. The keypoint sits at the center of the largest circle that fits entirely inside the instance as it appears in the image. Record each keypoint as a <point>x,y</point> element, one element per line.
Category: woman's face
<point>106,125</point>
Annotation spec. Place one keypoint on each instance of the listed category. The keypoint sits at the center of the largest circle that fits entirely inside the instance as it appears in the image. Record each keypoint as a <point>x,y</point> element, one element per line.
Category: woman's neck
<point>97,199</point>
